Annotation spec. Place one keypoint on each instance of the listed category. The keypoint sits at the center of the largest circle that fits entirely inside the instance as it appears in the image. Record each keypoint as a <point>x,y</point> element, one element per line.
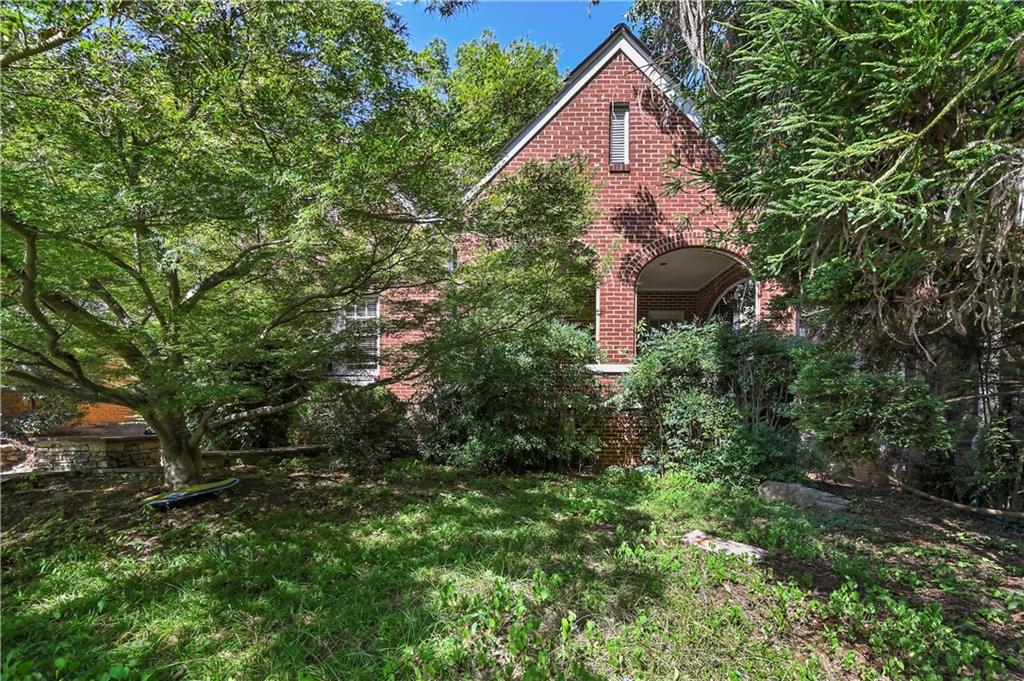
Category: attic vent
<point>618,148</point>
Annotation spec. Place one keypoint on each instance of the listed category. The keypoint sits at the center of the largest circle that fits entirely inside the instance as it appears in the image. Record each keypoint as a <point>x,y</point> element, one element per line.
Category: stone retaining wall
<point>81,453</point>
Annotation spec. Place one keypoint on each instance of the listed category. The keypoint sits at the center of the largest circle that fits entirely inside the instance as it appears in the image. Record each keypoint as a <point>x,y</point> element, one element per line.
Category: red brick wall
<point>94,413</point>
<point>636,221</point>
<point>102,413</point>
<point>396,309</point>
<point>12,403</point>
<point>689,302</point>
<point>621,440</point>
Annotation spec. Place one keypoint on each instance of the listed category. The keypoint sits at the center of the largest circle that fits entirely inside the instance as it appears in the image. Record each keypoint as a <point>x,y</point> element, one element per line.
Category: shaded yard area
<point>426,572</point>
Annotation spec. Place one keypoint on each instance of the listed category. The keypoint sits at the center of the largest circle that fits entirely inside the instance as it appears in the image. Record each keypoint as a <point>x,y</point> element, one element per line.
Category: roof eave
<point>620,39</point>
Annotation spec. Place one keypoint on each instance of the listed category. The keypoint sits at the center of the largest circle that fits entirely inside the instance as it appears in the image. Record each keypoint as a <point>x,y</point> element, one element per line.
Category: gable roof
<point>621,39</point>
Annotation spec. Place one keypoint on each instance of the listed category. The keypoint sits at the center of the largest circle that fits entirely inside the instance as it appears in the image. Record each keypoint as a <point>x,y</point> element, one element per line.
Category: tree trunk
<point>180,458</point>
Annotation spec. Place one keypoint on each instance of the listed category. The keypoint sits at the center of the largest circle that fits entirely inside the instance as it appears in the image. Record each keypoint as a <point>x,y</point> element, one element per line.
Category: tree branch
<point>83,392</point>
<point>240,266</point>
<point>30,300</point>
<point>51,43</point>
<point>111,302</point>
<point>147,292</point>
<point>258,411</point>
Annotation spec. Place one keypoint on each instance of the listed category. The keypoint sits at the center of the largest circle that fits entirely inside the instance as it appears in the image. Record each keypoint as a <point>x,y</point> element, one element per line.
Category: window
<point>618,148</point>
<point>659,318</point>
<point>738,305</point>
<point>363,350</point>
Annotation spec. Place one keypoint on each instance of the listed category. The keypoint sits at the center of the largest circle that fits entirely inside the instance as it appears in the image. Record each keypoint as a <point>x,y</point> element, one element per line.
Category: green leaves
<point>193,193</point>
<point>876,133</point>
<point>492,92</point>
<point>715,401</point>
<point>512,396</point>
<point>858,414</point>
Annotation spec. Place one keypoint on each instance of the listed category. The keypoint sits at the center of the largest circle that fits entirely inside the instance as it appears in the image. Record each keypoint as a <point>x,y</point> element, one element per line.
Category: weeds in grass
<point>423,572</point>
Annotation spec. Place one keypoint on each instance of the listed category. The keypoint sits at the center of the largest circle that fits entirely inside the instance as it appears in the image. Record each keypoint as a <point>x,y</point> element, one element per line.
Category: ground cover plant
<point>429,572</point>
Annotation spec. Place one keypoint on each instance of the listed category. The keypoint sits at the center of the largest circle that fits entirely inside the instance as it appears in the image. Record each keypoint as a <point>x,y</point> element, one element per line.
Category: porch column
<point>616,319</point>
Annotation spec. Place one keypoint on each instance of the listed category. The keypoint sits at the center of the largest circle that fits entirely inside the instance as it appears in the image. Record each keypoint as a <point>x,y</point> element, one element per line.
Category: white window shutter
<point>618,149</point>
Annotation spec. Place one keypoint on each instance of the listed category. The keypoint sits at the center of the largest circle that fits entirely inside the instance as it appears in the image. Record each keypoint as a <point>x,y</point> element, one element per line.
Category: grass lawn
<point>425,572</point>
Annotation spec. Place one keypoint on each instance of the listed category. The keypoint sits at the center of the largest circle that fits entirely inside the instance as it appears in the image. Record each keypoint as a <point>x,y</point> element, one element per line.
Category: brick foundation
<point>621,440</point>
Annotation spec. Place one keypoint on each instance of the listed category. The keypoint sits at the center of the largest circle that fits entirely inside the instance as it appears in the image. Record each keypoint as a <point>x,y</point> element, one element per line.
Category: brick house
<point>94,416</point>
<point>624,116</point>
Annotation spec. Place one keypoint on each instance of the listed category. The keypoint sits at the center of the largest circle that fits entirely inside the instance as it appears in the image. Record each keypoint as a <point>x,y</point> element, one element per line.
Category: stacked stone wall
<point>93,452</point>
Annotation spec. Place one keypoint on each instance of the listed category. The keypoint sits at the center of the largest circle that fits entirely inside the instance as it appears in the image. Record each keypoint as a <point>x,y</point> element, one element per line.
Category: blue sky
<point>573,26</point>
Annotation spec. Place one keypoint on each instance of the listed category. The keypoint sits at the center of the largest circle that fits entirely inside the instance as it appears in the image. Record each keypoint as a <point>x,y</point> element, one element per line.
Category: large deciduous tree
<point>491,92</point>
<point>194,192</point>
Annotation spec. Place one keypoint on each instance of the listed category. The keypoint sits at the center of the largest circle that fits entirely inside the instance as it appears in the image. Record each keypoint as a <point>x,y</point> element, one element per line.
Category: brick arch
<point>731,278</point>
<point>640,259</point>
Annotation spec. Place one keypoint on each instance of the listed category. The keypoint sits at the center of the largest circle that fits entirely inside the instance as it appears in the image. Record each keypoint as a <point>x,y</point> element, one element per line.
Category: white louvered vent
<point>618,149</point>
<point>365,347</point>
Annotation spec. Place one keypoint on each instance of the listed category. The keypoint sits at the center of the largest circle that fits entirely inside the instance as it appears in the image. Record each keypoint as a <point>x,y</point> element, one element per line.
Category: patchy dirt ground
<point>970,565</point>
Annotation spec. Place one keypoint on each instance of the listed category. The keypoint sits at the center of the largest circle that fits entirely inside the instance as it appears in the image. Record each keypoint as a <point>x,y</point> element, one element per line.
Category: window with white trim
<point>363,351</point>
<point>618,146</point>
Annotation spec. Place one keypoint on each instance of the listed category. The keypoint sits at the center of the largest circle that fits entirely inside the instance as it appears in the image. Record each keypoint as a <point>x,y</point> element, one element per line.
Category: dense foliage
<point>362,428</point>
<point>491,93</point>
<point>853,413</point>
<point>193,188</point>
<point>992,474</point>
<point>714,401</point>
<point>874,154</point>
<point>874,150</point>
<point>514,402</point>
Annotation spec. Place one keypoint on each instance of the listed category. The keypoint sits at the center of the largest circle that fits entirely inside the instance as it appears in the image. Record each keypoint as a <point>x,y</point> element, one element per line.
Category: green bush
<point>48,413</point>
<point>255,433</point>
<point>853,413</point>
<point>992,473</point>
<point>515,402</point>
<point>255,383</point>
<point>715,402</point>
<point>361,426</point>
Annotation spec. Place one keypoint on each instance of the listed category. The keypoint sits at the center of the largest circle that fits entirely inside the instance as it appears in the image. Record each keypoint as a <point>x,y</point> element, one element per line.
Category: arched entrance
<point>694,284</point>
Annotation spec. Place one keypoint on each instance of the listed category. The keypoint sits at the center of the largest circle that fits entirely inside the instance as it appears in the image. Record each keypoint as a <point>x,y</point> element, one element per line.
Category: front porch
<point>689,284</point>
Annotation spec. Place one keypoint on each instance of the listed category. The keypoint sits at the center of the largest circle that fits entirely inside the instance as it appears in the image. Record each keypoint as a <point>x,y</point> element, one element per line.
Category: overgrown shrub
<point>361,426</point>
<point>255,383</point>
<point>515,402</point>
<point>254,433</point>
<point>997,470</point>
<point>47,414</point>
<point>854,413</point>
<point>715,400</point>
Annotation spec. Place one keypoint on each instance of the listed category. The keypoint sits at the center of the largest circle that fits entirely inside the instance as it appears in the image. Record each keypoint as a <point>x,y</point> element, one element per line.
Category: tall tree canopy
<point>492,92</point>
<point>194,191</point>
<point>875,153</point>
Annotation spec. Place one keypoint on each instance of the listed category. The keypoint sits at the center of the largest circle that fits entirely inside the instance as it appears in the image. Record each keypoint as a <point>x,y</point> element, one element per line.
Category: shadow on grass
<point>352,577</point>
<point>912,549</point>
